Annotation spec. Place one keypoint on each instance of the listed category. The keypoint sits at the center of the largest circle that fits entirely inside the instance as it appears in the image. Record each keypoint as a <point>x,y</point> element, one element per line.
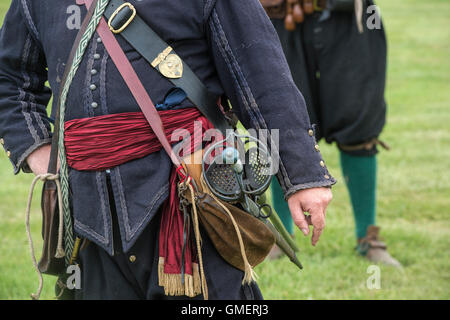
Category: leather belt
<point>320,5</point>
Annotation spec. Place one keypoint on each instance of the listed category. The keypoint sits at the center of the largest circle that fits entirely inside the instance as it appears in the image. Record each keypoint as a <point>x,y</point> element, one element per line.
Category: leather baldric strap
<point>135,85</point>
<point>123,20</point>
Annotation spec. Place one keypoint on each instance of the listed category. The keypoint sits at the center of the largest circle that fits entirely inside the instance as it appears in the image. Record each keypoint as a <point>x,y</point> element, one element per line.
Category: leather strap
<point>369,145</point>
<point>149,44</point>
<point>52,166</point>
<point>135,85</point>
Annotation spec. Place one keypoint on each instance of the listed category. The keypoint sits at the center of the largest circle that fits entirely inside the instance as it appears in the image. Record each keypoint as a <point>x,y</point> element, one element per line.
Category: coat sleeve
<point>256,78</point>
<point>24,125</point>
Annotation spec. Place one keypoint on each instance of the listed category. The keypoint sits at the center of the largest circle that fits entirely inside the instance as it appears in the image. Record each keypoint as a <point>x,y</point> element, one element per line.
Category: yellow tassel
<point>196,278</point>
<point>60,253</point>
<point>172,282</point>
<point>249,274</point>
<point>161,272</point>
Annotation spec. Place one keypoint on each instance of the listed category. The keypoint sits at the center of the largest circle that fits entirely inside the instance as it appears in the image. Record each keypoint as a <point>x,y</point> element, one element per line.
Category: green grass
<point>414,186</point>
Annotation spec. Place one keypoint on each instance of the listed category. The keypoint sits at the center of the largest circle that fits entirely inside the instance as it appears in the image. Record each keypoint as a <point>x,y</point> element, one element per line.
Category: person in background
<point>336,50</point>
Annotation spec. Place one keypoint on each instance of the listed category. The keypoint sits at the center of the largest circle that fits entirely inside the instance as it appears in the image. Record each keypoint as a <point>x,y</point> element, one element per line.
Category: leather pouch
<point>49,264</point>
<point>258,240</point>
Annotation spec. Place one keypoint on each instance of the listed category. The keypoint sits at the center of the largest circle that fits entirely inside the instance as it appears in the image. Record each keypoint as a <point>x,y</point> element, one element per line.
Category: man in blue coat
<point>232,47</point>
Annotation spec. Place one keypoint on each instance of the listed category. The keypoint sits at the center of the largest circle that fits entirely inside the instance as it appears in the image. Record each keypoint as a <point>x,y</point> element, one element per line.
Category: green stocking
<point>280,205</point>
<point>360,177</point>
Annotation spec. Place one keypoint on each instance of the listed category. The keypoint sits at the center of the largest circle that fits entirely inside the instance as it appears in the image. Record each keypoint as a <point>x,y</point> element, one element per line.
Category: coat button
<point>310,132</point>
<point>93,71</point>
<point>92,87</point>
<point>94,105</point>
<point>317,147</point>
<point>2,141</point>
<point>322,164</point>
<point>132,258</point>
<point>99,40</point>
<point>8,154</point>
<point>96,56</point>
<point>326,176</point>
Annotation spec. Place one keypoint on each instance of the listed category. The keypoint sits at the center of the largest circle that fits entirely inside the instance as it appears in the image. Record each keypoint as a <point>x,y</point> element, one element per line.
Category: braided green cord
<point>92,26</point>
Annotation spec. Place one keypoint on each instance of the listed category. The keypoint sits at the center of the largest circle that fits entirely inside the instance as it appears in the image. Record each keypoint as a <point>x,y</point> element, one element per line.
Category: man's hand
<point>38,160</point>
<point>315,202</point>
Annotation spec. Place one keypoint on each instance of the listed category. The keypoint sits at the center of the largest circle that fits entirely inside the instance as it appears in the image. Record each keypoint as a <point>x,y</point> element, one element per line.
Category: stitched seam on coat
<point>150,208</point>
<point>251,105</point>
<point>38,117</point>
<point>234,66</point>
<point>228,62</point>
<point>123,204</point>
<point>27,152</point>
<point>22,93</point>
<point>26,10</point>
<point>309,185</point>
<point>102,192</point>
<point>208,4</point>
<point>90,232</point>
<point>103,82</point>
<point>131,232</point>
<point>160,193</point>
<point>35,78</point>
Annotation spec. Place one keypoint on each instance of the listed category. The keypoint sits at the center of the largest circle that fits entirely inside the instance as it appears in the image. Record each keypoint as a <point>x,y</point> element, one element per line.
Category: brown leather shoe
<point>275,253</point>
<point>375,250</point>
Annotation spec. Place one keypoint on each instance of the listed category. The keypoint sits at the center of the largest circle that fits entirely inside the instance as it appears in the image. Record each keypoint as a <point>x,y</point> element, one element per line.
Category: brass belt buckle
<point>317,7</point>
<point>116,12</point>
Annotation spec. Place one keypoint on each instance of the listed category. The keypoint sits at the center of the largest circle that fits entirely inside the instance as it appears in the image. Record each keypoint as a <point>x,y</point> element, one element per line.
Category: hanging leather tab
<point>297,12</point>
<point>289,22</point>
<point>308,6</point>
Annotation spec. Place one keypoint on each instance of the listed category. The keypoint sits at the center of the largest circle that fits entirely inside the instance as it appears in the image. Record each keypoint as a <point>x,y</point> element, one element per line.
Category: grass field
<point>414,186</point>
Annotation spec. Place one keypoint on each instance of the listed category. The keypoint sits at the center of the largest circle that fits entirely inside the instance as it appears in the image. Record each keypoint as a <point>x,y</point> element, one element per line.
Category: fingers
<point>314,201</point>
<point>318,226</point>
<point>316,218</point>
<point>308,219</point>
<point>318,222</point>
<point>316,235</point>
<point>299,217</point>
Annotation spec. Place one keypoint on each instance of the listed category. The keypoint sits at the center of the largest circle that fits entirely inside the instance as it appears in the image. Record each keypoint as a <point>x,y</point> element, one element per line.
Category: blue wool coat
<point>232,47</point>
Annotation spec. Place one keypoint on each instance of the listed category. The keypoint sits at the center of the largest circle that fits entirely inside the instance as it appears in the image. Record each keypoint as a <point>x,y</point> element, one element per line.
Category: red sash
<point>103,142</point>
